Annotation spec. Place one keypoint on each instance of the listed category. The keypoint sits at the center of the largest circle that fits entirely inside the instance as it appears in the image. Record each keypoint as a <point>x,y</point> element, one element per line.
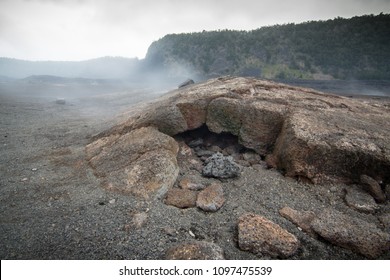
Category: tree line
<point>355,48</point>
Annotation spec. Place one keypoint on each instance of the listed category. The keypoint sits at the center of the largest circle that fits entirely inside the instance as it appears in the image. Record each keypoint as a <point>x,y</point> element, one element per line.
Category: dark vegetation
<point>356,48</point>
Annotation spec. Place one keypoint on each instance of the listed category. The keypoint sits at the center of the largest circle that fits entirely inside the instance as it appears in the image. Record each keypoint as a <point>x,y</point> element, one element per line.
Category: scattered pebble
<point>195,250</point>
<point>139,219</point>
<point>211,199</point>
<point>360,200</point>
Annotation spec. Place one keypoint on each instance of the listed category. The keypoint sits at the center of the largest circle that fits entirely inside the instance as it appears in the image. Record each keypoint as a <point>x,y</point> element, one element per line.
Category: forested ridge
<point>355,48</point>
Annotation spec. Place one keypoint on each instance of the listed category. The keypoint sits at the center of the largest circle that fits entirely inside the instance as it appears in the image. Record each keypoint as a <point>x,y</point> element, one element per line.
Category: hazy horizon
<point>78,30</point>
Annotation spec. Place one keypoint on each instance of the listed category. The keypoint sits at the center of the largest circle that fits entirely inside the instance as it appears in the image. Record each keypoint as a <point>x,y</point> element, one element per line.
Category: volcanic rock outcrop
<point>140,162</point>
<point>306,134</point>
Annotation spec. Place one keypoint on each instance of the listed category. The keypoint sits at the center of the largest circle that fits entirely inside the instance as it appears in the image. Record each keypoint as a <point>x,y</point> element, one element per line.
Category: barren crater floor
<point>203,172</point>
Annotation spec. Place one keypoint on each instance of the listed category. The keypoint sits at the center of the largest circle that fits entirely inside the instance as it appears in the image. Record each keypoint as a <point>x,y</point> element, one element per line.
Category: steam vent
<point>167,150</point>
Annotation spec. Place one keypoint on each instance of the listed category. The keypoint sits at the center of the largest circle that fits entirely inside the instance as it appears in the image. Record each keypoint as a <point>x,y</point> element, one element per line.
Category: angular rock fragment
<point>196,143</point>
<point>259,235</point>
<point>191,182</point>
<point>352,233</point>
<point>181,198</point>
<point>196,250</point>
<point>302,219</point>
<point>211,199</point>
<point>252,158</point>
<point>360,200</point>
<point>373,188</point>
<point>219,166</point>
<point>186,83</point>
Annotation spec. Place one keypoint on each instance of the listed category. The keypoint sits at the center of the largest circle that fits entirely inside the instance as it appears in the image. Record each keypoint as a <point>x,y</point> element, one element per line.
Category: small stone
<point>373,188</point>
<point>170,231</point>
<point>211,199</point>
<point>189,183</point>
<point>243,163</point>
<point>24,179</point>
<point>185,150</point>
<point>195,250</point>
<point>196,165</point>
<point>196,143</point>
<point>252,157</point>
<point>352,233</point>
<point>231,150</point>
<point>261,166</point>
<point>360,200</point>
<point>186,83</point>
<point>302,219</point>
<point>139,219</point>
<point>204,153</point>
<point>219,166</point>
<point>34,169</point>
<point>181,198</point>
<point>215,149</point>
<point>259,235</point>
<point>112,201</point>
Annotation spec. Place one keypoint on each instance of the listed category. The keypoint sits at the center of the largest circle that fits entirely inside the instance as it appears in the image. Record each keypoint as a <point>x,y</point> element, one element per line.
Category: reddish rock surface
<point>301,219</point>
<point>308,134</point>
<point>352,233</point>
<point>261,236</point>
<point>141,162</point>
<point>211,199</point>
<point>181,198</point>
<point>196,250</point>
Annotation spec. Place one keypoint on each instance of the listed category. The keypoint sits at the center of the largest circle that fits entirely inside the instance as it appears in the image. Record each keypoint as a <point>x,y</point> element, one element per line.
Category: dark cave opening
<point>205,143</point>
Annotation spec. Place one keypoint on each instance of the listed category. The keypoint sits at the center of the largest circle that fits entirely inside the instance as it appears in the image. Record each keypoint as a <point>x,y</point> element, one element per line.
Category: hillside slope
<point>341,48</point>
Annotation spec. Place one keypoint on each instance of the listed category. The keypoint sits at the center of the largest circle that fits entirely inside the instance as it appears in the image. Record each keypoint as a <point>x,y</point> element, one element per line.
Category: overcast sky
<point>85,29</point>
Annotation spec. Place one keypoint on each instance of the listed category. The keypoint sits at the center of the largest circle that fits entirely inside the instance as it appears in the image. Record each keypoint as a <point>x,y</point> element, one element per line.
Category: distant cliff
<point>357,48</point>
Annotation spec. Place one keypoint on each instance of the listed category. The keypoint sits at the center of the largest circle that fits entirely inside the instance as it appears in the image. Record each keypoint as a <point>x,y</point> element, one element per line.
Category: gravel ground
<point>52,206</point>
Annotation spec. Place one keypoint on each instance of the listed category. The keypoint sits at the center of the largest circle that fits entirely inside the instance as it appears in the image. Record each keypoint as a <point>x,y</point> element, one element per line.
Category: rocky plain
<point>231,168</point>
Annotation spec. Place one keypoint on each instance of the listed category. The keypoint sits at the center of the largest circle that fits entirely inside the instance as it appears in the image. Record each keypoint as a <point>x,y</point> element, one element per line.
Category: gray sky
<point>85,29</point>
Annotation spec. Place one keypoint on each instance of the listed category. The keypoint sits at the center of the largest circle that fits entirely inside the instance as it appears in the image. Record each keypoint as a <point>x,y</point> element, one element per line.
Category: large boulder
<point>141,162</point>
<point>351,233</point>
<point>186,83</point>
<point>335,143</point>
